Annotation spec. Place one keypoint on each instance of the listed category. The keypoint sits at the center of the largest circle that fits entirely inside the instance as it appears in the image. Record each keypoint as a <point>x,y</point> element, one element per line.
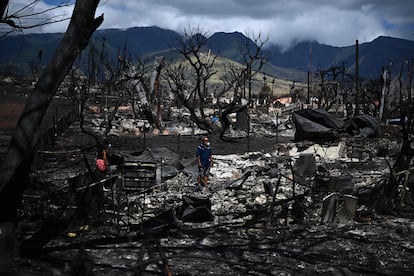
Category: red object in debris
<point>100,164</point>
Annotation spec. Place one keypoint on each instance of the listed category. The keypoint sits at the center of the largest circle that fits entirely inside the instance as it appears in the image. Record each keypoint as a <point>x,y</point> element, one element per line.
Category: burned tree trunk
<point>402,167</point>
<point>16,166</point>
<point>3,6</point>
<point>155,91</point>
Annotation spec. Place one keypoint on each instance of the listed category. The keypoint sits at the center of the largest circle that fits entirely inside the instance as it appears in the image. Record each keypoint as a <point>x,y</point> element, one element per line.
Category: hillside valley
<point>22,53</point>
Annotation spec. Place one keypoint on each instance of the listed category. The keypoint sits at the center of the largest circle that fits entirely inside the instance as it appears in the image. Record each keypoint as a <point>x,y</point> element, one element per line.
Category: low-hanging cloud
<point>284,22</point>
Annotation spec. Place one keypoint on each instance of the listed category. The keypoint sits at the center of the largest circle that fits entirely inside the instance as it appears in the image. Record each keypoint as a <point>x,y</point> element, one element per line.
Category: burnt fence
<point>59,124</point>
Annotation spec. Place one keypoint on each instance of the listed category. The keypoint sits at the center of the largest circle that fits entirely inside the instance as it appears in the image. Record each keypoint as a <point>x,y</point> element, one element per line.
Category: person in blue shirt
<point>204,161</point>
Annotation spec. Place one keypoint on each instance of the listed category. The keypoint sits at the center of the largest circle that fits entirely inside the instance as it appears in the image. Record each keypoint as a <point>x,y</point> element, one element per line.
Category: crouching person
<point>102,160</point>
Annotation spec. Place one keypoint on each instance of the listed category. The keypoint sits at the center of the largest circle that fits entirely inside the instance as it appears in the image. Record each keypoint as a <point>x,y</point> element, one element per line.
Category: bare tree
<point>16,167</point>
<point>396,194</point>
<point>19,19</point>
<point>233,86</point>
<point>333,82</point>
<point>141,80</point>
<point>372,93</point>
<point>191,80</point>
<point>188,80</point>
<point>406,105</point>
<point>253,59</point>
<point>82,90</point>
<point>104,82</point>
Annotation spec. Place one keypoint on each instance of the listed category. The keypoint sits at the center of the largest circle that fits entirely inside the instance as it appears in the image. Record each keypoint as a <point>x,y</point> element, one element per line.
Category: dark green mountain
<point>19,54</point>
<point>383,50</point>
<point>139,40</point>
<point>372,56</point>
<point>300,56</point>
<point>228,44</point>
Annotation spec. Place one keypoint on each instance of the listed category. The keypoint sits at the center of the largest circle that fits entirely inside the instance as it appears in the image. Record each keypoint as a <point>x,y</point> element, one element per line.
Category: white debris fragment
<point>323,152</point>
<point>260,200</point>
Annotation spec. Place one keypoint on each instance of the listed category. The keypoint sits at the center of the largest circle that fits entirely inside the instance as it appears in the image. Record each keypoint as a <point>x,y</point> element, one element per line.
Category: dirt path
<point>186,145</point>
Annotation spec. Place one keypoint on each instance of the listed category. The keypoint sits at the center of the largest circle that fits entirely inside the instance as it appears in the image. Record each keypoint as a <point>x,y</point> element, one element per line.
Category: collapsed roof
<point>320,125</point>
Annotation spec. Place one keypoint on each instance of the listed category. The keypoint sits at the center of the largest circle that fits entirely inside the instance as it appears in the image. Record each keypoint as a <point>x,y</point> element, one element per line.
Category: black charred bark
<point>16,167</point>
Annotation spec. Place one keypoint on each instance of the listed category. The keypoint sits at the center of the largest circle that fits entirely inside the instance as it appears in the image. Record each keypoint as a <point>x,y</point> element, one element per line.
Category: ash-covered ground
<point>261,223</point>
<point>261,216</point>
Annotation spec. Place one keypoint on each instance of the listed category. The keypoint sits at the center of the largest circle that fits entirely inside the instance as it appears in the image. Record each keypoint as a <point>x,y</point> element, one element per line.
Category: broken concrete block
<point>195,210</point>
<point>242,122</point>
<point>338,208</point>
<point>347,209</point>
<point>305,165</point>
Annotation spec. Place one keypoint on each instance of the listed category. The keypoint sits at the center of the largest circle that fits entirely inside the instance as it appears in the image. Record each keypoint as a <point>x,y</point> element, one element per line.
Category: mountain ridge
<point>21,52</point>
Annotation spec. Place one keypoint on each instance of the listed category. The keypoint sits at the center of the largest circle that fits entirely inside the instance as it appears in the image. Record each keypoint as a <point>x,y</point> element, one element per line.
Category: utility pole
<point>249,72</point>
<point>309,73</point>
<point>356,79</point>
<point>410,78</point>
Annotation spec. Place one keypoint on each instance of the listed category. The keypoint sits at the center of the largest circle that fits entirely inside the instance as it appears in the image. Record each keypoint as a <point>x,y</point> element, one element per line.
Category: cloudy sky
<point>332,22</point>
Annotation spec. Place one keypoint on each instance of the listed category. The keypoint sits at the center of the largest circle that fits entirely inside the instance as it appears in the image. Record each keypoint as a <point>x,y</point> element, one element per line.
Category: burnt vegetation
<point>321,184</point>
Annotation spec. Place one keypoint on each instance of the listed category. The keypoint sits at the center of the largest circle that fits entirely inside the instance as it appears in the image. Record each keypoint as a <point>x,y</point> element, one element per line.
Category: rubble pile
<point>292,209</point>
<point>275,204</point>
